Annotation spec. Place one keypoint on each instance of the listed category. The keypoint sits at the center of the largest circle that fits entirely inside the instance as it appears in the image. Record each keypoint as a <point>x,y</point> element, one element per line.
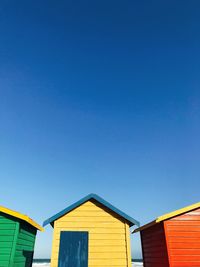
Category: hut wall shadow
<point>28,255</point>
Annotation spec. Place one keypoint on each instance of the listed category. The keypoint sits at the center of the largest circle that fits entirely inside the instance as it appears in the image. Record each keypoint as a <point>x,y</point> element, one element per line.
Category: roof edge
<point>178,212</point>
<point>21,217</point>
<point>168,216</point>
<point>129,219</point>
<point>145,226</point>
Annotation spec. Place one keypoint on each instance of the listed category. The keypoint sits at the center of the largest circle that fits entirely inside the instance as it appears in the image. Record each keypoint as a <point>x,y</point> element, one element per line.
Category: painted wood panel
<point>25,245</point>
<point>183,236</point>
<point>8,235</point>
<point>73,249</point>
<point>17,239</point>
<point>154,248</point>
<point>108,243</point>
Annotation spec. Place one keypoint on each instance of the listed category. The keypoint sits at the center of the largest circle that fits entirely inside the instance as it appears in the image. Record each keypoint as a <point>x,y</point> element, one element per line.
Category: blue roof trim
<point>130,220</point>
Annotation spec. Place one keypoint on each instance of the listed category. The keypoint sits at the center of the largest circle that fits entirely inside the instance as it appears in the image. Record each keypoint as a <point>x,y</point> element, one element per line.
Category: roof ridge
<point>129,219</point>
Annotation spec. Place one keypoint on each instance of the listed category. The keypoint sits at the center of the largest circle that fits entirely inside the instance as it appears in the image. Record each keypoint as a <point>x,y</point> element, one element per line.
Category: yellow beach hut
<point>91,233</point>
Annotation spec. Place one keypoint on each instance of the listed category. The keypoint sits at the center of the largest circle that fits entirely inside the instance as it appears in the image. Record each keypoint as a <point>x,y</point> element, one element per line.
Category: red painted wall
<point>154,246</point>
<point>183,239</point>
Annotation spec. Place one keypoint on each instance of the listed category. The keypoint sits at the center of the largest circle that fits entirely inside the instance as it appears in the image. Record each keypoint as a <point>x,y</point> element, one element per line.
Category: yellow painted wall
<point>109,236</point>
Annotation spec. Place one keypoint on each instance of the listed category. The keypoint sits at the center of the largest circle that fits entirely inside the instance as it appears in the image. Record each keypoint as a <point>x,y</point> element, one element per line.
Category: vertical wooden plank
<point>128,245</point>
<point>167,242</point>
<point>16,234</point>
<point>25,245</point>
<point>142,242</point>
<point>54,253</point>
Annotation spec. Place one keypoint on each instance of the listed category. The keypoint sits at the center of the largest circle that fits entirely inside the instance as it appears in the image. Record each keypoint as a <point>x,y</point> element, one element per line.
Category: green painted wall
<point>17,240</point>
<point>8,235</point>
<point>25,246</point>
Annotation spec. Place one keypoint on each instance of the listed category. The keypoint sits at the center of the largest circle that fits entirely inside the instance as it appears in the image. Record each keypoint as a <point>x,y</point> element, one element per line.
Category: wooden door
<point>73,250</point>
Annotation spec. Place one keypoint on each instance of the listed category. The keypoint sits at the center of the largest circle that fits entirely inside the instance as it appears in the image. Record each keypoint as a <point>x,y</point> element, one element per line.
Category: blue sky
<point>102,97</point>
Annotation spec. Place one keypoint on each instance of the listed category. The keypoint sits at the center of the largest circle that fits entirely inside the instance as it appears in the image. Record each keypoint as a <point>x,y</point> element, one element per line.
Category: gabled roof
<point>95,197</point>
<point>168,216</point>
<point>21,217</point>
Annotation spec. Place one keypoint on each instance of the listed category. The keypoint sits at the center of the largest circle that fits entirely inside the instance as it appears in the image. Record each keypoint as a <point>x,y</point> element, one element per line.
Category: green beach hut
<point>17,238</point>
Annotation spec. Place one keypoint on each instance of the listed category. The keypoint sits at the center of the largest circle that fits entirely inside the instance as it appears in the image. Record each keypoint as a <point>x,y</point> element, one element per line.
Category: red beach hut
<point>172,240</point>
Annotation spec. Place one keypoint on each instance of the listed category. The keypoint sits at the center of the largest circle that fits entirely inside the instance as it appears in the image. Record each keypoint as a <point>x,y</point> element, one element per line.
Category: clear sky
<point>102,97</point>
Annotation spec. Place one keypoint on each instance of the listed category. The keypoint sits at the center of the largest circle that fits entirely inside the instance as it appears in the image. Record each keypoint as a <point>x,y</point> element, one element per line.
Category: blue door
<point>73,251</point>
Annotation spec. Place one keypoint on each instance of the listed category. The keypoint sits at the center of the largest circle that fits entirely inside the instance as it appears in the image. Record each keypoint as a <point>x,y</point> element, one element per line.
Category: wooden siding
<point>25,246</point>
<point>17,240</point>
<point>154,247</point>
<point>108,243</point>
<point>8,235</point>
<point>183,237</point>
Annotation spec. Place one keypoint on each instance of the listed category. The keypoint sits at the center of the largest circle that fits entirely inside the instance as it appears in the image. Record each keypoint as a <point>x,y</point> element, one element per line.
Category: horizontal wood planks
<point>183,236</point>
<point>108,246</point>
<point>25,245</point>
<point>16,242</point>
<point>8,235</point>
<point>154,246</point>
